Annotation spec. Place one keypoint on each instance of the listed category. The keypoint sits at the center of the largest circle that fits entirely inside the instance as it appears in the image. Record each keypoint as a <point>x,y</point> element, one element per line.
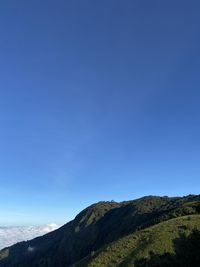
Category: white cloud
<point>30,249</point>
<point>12,235</point>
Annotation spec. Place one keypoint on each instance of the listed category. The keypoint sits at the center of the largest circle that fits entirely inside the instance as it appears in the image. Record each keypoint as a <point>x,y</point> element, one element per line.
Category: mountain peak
<point>115,226</point>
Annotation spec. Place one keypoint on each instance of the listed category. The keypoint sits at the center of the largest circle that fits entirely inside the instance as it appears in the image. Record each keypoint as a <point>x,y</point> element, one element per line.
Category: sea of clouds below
<point>12,235</point>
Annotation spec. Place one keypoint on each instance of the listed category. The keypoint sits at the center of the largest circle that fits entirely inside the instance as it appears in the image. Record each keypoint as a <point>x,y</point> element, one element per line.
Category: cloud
<point>30,249</point>
<point>12,235</point>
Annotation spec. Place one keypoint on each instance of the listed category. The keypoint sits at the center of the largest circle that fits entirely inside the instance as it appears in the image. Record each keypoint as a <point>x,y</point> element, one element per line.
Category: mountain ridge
<point>97,226</point>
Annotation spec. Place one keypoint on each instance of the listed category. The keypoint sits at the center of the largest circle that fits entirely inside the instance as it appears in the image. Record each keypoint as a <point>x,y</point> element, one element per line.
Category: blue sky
<point>99,100</point>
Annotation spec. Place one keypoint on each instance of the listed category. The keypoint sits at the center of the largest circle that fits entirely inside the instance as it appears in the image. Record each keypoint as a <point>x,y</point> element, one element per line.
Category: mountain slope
<point>157,239</point>
<point>94,228</point>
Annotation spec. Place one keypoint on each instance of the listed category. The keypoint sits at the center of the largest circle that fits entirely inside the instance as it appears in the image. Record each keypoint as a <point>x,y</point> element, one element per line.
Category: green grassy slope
<point>95,227</point>
<point>157,239</point>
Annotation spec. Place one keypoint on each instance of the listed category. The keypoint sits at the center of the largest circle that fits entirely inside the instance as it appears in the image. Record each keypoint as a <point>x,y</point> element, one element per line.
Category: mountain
<point>112,234</point>
<point>12,235</point>
<point>157,240</point>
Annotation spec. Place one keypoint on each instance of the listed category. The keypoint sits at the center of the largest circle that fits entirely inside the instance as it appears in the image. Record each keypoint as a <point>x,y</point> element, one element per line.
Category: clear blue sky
<point>99,100</point>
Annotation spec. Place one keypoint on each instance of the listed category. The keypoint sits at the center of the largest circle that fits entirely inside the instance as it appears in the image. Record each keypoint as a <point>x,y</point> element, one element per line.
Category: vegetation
<point>155,240</point>
<point>131,233</point>
<point>186,253</point>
